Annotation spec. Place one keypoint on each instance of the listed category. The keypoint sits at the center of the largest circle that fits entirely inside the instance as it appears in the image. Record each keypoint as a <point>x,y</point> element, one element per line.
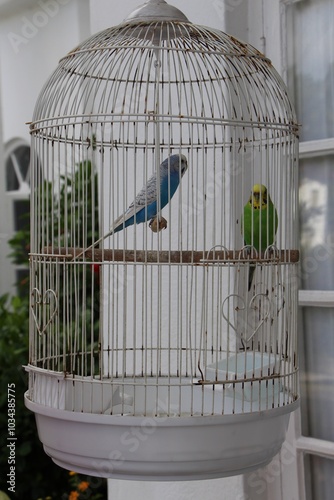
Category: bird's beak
<point>256,200</point>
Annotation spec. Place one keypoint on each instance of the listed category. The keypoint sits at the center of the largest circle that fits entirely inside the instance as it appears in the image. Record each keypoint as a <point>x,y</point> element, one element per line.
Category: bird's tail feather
<point>119,224</point>
<point>96,242</point>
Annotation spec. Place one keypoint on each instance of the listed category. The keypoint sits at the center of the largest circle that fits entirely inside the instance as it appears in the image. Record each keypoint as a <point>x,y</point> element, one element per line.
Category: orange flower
<point>83,486</point>
<point>71,473</point>
<point>74,495</point>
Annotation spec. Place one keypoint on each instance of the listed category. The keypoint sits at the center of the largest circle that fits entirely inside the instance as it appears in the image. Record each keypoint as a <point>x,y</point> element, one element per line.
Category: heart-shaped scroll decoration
<point>263,313</point>
<point>39,302</point>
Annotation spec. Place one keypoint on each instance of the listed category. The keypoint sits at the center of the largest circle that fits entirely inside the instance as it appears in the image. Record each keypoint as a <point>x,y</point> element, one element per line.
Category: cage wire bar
<point>158,318</point>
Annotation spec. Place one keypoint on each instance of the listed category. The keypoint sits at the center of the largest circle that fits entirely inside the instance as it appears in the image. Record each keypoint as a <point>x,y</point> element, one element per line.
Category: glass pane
<point>21,215</point>
<point>308,476</point>
<point>21,155</point>
<point>317,372</point>
<point>311,66</point>
<point>11,177</point>
<point>319,478</point>
<point>317,273</point>
<point>317,223</point>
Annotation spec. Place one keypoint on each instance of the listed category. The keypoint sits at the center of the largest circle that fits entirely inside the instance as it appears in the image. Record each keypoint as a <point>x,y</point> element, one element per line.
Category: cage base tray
<point>161,448</point>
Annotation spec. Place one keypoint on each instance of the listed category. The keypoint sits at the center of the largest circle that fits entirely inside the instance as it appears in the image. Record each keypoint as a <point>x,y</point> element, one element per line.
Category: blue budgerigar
<point>150,199</point>
<point>145,206</point>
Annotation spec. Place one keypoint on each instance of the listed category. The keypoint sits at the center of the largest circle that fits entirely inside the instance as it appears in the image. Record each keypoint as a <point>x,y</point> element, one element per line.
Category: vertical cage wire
<point>149,321</point>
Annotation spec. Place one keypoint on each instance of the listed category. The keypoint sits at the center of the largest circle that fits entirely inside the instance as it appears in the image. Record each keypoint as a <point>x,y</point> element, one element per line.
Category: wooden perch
<point>170,257</point>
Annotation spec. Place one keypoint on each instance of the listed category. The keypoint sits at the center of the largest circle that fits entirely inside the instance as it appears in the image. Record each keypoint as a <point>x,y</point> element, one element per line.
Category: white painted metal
<point>321,147</point>
<point>315,446</point>
<point>142,326</point>
<point>316,298</point>
<point>156,10</point>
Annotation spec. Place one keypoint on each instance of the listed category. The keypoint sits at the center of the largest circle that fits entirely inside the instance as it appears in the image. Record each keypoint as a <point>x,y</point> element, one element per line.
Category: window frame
<point>307,298</point>
<point>11,197</point>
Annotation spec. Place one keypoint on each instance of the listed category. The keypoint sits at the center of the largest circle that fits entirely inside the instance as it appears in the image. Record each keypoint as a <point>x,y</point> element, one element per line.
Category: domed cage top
<point>164,246</point>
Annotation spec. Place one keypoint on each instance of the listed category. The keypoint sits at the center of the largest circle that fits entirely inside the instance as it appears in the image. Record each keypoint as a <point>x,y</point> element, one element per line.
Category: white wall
<point>32,42</point>
<point>34,34</point>
<point>215,489</point>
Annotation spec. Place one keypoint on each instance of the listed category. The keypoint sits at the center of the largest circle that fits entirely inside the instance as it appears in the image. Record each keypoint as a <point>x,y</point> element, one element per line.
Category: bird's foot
<point>157,224</point>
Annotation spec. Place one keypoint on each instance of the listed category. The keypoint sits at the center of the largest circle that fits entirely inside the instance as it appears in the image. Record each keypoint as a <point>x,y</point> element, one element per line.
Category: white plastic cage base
<point>161,448</point>
<point>159,396</point>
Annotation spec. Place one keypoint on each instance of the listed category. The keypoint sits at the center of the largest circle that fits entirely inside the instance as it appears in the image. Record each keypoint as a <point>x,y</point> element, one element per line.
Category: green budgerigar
<point>260,222</point>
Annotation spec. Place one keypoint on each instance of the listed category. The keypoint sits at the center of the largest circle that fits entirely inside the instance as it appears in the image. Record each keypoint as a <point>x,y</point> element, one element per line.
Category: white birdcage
<point>163,345</point>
